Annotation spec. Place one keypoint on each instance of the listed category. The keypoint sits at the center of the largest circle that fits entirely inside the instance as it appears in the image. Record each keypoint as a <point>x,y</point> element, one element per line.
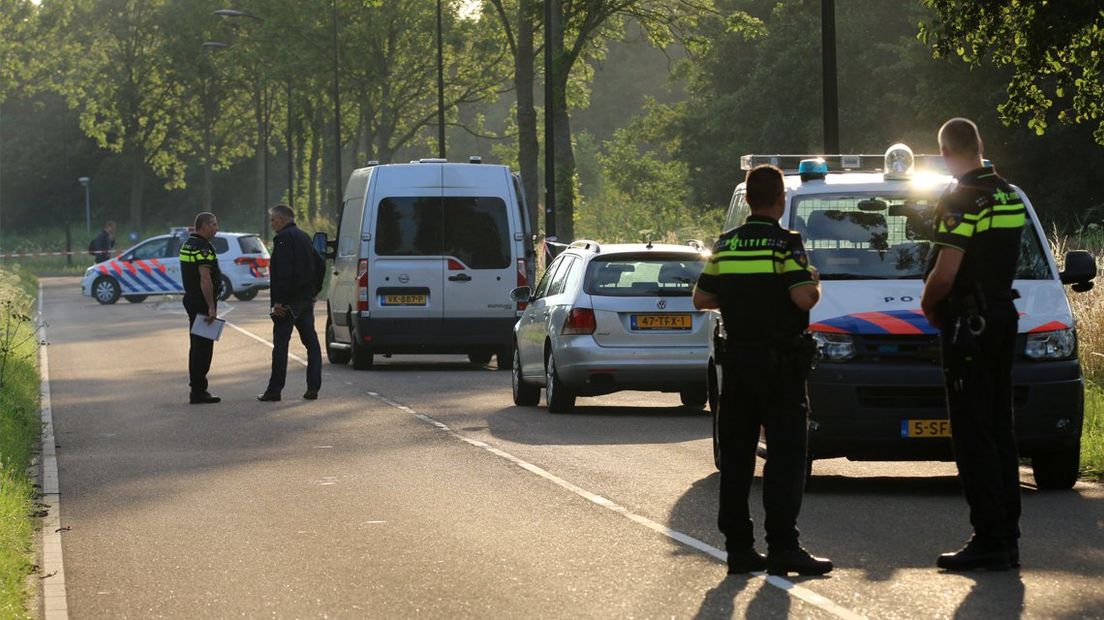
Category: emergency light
<point>899,161</point>
<point>810,169</point>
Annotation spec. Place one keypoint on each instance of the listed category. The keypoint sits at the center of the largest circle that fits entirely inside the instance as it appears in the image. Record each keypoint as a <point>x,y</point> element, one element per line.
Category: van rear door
<point>479,229</point>
<point>407,268</point>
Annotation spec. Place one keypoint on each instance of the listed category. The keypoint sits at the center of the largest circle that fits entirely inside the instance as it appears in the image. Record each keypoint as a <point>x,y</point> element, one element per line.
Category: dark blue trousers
<point>303,322</point>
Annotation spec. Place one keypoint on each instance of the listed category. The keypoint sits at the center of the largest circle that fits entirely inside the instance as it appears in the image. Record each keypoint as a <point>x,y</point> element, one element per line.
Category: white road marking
<point>785,585</point>
<point>55,603</point>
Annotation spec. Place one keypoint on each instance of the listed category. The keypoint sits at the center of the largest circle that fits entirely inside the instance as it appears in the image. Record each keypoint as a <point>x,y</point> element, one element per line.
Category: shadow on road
<point>598,425</point>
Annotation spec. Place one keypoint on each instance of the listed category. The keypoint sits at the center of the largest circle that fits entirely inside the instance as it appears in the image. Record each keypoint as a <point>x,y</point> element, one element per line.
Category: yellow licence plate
<point>404,300</point>
<point>660,321</point>
<point>925,428</point>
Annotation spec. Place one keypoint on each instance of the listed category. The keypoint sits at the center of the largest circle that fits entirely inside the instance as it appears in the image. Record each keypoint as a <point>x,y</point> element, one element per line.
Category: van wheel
<point>1057,470</point>
<point>559,397</point>
<point>525,394</point>
<point>335,356</point>
<point>694,398</point>
<point>135,299</point>
<point>362,358</point>
<point>225,288</point>
<point>106,290</point>
<point>505,356</point>
<point>246,295</point>
<point>479,358</point>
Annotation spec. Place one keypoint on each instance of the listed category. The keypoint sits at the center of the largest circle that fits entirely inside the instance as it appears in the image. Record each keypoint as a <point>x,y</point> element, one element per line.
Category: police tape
<point>31,254</point>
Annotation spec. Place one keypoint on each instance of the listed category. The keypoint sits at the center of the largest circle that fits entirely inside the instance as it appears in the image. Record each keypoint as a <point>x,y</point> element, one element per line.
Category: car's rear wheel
<point>525,394</point>
<point>1057,470</point>
<point>694,398</point>
<point>479,358</point>
<point>226,288</point>
<point>246,295</point>
<point>106,290</point>
<point>560,399</point>
<point>361,356</point>
<point>135,299</point>
<point>335,356</point>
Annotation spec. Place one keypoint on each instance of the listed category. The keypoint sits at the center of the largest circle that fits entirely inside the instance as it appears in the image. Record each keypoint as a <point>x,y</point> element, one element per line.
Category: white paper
<point>210,331</point>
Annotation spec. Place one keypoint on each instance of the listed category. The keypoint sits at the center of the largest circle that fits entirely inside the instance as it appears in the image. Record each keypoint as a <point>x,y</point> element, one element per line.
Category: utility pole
<point>440,88</point>
<point>338,190</point>
<point>829,87</point>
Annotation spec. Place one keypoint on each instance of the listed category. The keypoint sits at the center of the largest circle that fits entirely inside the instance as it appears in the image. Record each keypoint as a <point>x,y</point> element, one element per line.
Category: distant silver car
<point>609,318</point>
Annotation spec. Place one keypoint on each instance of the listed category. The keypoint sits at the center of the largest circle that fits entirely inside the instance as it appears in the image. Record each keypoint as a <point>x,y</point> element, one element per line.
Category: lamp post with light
<point>87,183</point>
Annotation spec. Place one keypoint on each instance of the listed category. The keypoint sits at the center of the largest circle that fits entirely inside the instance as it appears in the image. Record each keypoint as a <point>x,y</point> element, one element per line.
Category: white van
<point>877,393</point>
<point>424,261</point>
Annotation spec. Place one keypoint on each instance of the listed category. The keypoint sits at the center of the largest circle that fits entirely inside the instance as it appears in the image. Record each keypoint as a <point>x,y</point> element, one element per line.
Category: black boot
<point>977,554</point>
<point>746,561</point>
<point>796,560</point>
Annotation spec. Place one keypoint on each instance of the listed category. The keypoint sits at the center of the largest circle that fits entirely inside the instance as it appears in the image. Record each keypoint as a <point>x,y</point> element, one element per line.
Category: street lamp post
<point>87,183</point>
<point>440,88</point>
<point>829,86</point>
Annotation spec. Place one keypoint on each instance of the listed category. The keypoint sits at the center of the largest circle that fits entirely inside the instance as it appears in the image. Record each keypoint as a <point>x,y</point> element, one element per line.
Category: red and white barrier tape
<point>30,254</point>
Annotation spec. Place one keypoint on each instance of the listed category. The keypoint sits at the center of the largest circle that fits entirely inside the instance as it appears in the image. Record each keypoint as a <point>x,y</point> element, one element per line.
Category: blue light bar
<point>810,169</point>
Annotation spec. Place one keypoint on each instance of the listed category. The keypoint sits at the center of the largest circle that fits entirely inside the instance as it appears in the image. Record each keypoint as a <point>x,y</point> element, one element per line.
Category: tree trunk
<point>528,144</point>
<point>315,160</point>
<point>259,153</point>
<point>137,186</point>
<point>561,127</point>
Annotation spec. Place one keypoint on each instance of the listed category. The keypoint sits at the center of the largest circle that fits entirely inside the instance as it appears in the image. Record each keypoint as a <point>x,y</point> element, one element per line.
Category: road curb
<point>54,603</point>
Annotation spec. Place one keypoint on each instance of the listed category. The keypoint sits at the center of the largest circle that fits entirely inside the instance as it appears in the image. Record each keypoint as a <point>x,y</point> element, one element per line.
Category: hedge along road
<point>357,505</point>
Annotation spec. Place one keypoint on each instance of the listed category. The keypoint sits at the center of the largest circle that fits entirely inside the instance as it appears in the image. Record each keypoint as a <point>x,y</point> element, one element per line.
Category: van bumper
<point>857,410</point>
<point>436,335</point>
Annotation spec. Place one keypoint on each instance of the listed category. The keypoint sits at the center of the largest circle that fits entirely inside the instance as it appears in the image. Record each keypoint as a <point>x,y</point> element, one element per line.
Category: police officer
<point>200,274</point>
<point>968,295</point>
<point>760,279</point>
<point>295,284</point>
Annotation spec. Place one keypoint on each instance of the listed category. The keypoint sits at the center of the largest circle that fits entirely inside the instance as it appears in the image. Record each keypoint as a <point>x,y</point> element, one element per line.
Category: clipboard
<point>203,330</point>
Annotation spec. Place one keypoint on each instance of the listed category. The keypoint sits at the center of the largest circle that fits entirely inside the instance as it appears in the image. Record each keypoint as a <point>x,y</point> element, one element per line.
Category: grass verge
<point>1092,434</point>
<point>19,435</point>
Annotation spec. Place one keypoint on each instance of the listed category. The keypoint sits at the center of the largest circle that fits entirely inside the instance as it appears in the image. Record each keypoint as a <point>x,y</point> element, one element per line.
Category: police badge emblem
<point>801,258</point>
<point>951,220</point>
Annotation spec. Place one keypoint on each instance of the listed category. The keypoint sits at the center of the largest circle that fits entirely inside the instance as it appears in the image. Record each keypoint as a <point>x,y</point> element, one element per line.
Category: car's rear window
<point>251,244</point>
<point>647,275</point>
<point>473,229</point>
<point>220,244</point>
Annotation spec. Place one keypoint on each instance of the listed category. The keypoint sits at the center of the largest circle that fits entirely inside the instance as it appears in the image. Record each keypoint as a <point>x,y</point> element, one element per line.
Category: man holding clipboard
<point>199,272</point>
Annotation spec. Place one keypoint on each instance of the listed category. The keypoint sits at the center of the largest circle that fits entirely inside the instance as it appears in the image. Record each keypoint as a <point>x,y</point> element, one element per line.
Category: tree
<point>1055,50</point>
<point>16,44</point>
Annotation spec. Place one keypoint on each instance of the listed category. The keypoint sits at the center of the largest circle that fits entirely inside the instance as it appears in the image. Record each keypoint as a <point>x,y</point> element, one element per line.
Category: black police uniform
<point>765,365</point>
<point>983,217</point>
<point>294,283</point>
<point>195,253</point>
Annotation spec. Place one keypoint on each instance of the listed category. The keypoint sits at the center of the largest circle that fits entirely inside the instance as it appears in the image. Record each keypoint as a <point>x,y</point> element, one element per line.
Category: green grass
<point>19,434</point>
<point>1092,434</point>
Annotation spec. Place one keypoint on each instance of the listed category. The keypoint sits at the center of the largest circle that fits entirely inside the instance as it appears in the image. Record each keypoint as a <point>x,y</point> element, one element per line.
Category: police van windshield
<point>649,275</point>
<point>876,237</point>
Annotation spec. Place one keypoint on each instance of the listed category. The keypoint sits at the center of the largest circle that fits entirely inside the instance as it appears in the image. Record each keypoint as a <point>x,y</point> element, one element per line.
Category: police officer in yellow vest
<point>199,273</point>
<point>968,295</point>
<point>760,279</point>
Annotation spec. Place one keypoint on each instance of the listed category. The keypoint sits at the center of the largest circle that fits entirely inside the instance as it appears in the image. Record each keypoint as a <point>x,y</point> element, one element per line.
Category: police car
<point>153,268</point>
<point>877,393</point>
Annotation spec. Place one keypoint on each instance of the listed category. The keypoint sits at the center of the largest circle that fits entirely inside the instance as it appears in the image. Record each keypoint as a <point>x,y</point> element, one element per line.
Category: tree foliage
<point>1054,49</point>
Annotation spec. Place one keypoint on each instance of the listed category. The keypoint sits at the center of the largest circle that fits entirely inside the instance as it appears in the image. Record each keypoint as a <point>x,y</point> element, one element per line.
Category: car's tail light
<point>579,321</point>
<point>362,285</point>
<point>243,260</point>
<point>522,280</point>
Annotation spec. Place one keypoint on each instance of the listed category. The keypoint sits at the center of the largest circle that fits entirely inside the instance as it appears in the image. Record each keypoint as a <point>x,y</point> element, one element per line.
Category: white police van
<point>424,261</point>
<point>152,267</point>
<point>877,393</point>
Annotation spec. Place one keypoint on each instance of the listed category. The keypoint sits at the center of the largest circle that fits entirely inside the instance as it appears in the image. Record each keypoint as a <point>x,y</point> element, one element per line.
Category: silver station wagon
<point>609,318</point>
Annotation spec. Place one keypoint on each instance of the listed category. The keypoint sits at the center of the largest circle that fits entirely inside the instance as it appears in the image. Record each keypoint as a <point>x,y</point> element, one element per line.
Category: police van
<point>877,392</point>
<point>424,261</point>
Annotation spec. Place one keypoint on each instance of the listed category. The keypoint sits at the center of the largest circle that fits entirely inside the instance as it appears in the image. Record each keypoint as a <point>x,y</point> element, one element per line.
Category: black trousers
<point>281,336</point>
<point>756,395</point>
<point>199,357</point>
<point>977,371</point>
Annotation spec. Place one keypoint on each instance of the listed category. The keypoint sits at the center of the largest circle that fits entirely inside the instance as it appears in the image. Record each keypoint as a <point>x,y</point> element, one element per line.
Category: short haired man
<point>103,243</point>
<point>760,279</point>
<point>295,283</point>
<point>968,295</point>
<point>199,272</point>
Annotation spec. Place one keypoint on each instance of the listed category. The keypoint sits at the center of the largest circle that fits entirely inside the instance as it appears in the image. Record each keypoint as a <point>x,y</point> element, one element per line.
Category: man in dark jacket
<point>101,246</point>
<point>295,285</point>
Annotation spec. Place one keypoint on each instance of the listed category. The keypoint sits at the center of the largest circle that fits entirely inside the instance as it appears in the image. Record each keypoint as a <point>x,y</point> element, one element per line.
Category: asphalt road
<point>362,504</point>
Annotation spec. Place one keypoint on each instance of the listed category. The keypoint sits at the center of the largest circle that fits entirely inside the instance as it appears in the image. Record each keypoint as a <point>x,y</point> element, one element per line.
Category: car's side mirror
<point>521,294</point>
<point>1080,270</point>
<point>323,246</point>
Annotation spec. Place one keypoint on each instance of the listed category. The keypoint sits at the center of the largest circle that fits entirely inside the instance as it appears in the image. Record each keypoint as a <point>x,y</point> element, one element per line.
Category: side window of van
<point>558,281</point>
<point>348,238</point>
<point>477,231</point>
<point>542,286</point>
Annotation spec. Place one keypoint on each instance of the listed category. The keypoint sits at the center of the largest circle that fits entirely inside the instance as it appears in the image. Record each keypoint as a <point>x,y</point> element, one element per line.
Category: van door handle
<point>460,277</point>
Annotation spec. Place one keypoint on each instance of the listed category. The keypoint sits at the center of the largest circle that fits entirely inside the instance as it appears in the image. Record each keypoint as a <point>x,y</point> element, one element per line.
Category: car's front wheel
<point>479,358</point>
<point>694,398</point>
<point>226,288</point>
<point>1057,470</point>
<point>106,290</point>
<point>560,399</point>
<point>525,394</point>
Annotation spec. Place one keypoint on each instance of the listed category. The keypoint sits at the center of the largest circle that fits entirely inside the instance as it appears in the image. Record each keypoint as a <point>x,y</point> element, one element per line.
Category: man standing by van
<point>760,279</point>
<point>296,280</point>
<point>968,295</point>
<point>199,271</point>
